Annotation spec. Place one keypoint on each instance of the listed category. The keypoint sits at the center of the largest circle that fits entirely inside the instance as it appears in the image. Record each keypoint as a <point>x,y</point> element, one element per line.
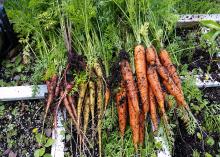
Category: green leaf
<point>37,153</point>
<point>211,24</point>
<point>19,68</point>
<point>50,141</point>
<point>208,155</point>
<point>42,151</point>
<point>47,155</point>
<point>211,35</point>
<point>40,138</point>
<point>199,135</point>
<point>210,141</point>
<point>18,60</point>
<point>158,145</point>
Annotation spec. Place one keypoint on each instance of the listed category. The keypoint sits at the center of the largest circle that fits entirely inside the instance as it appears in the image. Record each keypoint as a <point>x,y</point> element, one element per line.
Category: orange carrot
<point>167,63</point>
<point>141,72</point>
<point>160,69</point>
<point>155,85</point>
<point>153,112</point>
<point>121,104</point>
<point>134,123</point>
<point>172,88</point>
<point>141,127</point>
<point>107,97</point>
<point>157,91</point>
<point>130,85</point>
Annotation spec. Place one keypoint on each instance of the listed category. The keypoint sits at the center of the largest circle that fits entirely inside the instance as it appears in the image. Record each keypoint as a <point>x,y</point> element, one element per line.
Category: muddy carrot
<point>72,104</point>
<point>82,92</point>
<point>153,112</point>
<point>86,113</point>
<point>107,97</point>
<point>152,55</point>
<point>141,127</point>
<point>100,113</point>
<point>68,108</point>
<point>51,85</point>
<point>92,100</point>
<point>157,90</point>
<point>155,85</point>
<point>130,85</point>
<point>121,104</point>
<point>141,73</point>
<point>134,123</point>
<point>167,63</point>
<point>173,90</point>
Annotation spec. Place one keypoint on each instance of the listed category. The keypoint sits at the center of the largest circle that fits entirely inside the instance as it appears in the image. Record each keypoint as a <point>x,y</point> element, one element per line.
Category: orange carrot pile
<point>153,72</point>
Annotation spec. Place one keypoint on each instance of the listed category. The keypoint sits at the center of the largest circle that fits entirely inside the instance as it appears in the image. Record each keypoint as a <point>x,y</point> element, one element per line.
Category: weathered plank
<point>190,20</point>
<point>22,93</point>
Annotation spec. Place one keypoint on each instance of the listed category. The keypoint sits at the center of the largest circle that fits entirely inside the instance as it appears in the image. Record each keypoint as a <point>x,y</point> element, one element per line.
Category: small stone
<point>17,77</point>
<point>48,132</point>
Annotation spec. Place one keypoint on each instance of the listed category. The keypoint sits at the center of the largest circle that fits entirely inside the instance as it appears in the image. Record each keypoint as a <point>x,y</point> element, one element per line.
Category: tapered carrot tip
<point>136,147</point>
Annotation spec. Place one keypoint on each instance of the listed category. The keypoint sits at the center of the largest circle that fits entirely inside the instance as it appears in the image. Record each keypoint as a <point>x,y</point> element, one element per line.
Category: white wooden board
<point>57,149</point>
<point>22,93</point>
<point>190,20</point>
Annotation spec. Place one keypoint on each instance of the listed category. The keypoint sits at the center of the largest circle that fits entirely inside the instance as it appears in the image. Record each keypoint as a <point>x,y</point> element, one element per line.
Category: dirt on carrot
<point>121,104</point>
<point>153,111</point>
<point>141,73</point>
<point>167,63</point>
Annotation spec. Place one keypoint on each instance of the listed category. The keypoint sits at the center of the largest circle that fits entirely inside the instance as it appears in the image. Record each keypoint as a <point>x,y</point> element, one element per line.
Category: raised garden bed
<point>198,67</point>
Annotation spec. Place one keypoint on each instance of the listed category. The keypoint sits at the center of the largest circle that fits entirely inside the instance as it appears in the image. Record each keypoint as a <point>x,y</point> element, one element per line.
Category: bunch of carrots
<point>88,101</point>
<point>143,96</point>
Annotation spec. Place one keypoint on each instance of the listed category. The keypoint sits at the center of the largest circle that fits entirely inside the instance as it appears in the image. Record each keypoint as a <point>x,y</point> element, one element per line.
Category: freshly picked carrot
<point>133,103</point>
<point>82,92</point>
<point>153,111</point>
<point>141,73</point>
<point>130,85</point>
<point>100,112</point>
<point>86,113</point>
<point>141,128</point>
<point>156,87</point>
<point>107,97</point>
<point>51,85</point>
<point>160,68</point>
<point>121,104</point>
<point>92,101</point>
<point>167,63</point>
<point>172,88</point>
<point>134,123</point>
<point>157,90</point>
<point>72,104</point>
